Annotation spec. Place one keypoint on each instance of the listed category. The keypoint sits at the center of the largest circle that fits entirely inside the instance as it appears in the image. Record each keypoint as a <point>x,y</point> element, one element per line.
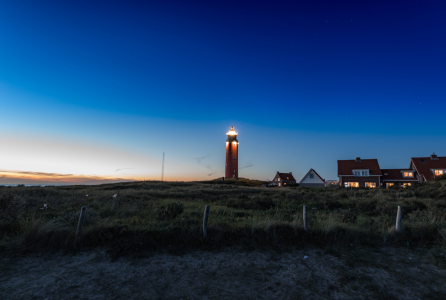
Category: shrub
<point>244,202</point>
<point>169,211</point>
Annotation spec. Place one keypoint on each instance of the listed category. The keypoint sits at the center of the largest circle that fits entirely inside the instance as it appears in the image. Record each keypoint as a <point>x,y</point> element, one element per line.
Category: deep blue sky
<point>305,84</point>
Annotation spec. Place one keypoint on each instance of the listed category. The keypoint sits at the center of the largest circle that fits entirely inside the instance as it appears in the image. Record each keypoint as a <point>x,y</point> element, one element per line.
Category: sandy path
<point>384,274</point>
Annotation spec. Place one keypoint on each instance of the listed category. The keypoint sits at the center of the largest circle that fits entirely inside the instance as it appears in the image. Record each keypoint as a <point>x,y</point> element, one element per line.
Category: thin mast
<point>162,171</point>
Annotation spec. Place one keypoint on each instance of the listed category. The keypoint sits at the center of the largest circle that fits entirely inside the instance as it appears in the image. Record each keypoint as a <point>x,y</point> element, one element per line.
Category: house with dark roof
<point>359,173</point>
<point>398,177</point>
<point>428,168</point>
<point>282,179</point>
<point>312,179</point>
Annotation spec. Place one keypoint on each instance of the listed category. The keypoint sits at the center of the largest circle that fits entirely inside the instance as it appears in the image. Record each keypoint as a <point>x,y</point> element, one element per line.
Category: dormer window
<point>311,176</point>
<point>361,172</point>
<point>407,174</point>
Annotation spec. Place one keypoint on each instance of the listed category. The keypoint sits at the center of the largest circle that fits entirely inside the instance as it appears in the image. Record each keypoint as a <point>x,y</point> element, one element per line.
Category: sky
<point>96,91</point>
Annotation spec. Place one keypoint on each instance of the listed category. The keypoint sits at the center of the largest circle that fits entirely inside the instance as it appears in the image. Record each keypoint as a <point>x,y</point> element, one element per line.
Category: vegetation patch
<point>133,217</point>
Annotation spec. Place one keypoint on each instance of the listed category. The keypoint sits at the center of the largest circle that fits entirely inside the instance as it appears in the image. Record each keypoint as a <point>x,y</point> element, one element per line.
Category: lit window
<point>284,183</point>
<point>439,172</point>
<point>408,174</point>
<point>311,176</point>
<point>407,184</point>
<point>288,178</point>
<point>352,184</point>
<point>278,179</point>
<point>370,184</point>
<point>389,184</point>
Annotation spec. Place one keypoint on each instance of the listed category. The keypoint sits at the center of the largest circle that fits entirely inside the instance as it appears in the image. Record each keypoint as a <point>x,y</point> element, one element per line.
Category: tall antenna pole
<point>162,172</point>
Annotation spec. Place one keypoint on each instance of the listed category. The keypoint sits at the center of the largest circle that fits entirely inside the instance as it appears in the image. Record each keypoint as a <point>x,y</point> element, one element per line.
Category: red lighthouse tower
<point>231,169</point>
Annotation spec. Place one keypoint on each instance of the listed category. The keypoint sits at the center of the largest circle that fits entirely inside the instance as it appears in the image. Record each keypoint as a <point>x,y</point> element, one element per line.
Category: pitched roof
<point>284,176</point>
<point>396,174</point>
<point>314,173</point>
<point>346,167</point>
<point>424,168</point>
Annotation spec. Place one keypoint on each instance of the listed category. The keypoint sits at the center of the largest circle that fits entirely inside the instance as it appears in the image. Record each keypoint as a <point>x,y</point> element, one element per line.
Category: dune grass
<point>147,216</point>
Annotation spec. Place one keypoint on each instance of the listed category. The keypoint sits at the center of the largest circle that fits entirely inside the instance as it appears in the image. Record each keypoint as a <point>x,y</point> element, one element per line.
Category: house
<point>282,179</point>
<point>398,177</point>
<point>331,182</point>
<point>428,168</point>
<point>359,173</point>
<point>312,179</point>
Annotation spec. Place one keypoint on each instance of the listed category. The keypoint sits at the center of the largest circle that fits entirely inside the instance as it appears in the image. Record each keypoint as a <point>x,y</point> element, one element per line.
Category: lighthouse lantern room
<point>231,169</point>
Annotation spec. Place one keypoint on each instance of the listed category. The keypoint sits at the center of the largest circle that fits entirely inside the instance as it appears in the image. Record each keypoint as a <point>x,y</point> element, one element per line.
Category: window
<point>389,184</point>
<point>370,184</point>
<point>288,178</point>
<point>361,172</point>
<point>408,174</point>
<point>352,184</point>
<point>312,176</point>
<point>278,179</point>
<point>439,172</point>
<point>284,183</point>
<point>407,184</point>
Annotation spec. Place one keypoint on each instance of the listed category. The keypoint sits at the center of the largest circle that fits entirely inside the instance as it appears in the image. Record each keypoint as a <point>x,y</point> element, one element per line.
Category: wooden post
<point>222,180</point>
<point>205,220</point>
<point>399,216</point>
<point>81,222</point>
<point>305,218</point>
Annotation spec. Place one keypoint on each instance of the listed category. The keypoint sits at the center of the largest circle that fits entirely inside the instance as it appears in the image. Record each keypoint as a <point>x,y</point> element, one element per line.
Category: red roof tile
<point>346,167</point>
<point>424,168</point>
<point>396,174</point>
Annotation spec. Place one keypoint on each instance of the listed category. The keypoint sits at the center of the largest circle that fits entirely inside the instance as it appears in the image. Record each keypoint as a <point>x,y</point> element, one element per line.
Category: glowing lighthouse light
<point>231,168</point>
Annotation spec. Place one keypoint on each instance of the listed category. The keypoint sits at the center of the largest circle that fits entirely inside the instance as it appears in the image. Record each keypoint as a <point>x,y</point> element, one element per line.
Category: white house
<point>312,179</point>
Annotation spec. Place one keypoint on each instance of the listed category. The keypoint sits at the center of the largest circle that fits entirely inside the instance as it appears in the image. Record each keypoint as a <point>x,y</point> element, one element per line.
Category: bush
<point>169,211</point>
<point>244,202</point>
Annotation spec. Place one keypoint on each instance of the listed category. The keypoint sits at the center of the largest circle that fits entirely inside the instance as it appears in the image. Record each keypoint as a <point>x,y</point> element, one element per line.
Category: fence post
<point>305,218</point>
<point>205,220</point>
<point>81,223</point>
<point>399,216</point>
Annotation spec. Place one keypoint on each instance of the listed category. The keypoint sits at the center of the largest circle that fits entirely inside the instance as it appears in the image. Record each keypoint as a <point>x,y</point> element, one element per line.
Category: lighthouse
<point>231,169</point>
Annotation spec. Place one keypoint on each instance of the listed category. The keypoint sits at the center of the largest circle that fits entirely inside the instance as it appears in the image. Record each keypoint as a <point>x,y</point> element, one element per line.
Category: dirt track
<point>359,274</point>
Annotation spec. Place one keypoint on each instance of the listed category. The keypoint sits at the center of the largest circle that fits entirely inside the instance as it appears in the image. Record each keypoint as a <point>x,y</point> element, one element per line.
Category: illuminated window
<point>352,184</point>
<point>311,176</point>
<point>287,178</point>
<point>407,184</point>
<point>284,183</point>
<point>278,179</point>
<point>439,172</point>
<point>408,174</point>
<point>389,184</point>
<point>370,184</point>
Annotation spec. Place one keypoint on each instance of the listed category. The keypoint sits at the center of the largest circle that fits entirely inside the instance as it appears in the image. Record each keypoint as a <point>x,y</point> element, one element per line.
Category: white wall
<point>307,179</point>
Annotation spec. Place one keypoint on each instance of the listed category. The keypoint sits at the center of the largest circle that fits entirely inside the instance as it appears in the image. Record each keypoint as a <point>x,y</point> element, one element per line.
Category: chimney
<point>277,172</point>
<point>291,173</point>
<point>434,156</point>
<point>358,159</point>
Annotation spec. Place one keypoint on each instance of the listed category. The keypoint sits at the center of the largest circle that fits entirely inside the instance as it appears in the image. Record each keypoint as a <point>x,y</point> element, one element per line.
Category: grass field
<point>168,216</point>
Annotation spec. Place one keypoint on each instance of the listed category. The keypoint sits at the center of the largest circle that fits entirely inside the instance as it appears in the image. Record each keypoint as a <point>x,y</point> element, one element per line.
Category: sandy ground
<point>358,274</point>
